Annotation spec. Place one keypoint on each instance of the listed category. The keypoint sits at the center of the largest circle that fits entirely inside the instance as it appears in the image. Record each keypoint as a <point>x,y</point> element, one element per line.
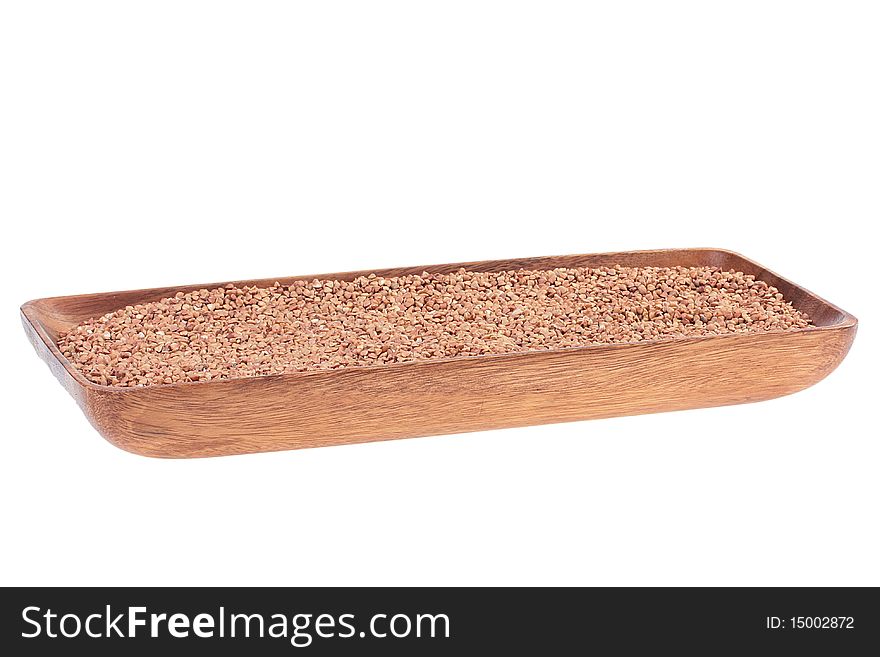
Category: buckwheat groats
<point>326,324</point>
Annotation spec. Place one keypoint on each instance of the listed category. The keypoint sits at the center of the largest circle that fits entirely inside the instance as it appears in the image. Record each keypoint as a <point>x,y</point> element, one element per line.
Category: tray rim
<point>30,314</point>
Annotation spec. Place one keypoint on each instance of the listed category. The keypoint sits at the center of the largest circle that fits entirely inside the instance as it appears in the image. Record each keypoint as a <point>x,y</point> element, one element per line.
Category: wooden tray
<point>310,409</point>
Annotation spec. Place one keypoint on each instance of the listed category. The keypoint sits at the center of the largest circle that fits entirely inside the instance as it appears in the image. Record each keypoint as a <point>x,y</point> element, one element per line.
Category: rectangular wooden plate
<point>360,404</point>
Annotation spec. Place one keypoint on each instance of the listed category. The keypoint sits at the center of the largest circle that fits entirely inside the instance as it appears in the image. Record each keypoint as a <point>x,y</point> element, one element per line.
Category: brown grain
<point>236,332</point>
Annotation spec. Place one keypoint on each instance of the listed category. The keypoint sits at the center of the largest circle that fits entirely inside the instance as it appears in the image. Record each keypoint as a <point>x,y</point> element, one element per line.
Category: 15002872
<point>810,623</point>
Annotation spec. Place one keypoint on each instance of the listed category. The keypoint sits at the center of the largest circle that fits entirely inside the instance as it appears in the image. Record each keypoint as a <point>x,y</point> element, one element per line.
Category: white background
<point>162,143</point>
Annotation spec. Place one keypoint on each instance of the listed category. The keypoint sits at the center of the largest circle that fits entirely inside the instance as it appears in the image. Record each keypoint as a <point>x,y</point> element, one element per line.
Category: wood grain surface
<point>311,409</point>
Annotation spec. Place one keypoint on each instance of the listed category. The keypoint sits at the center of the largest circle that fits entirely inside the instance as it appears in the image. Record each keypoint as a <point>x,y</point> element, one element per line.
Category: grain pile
<point>325,324</point>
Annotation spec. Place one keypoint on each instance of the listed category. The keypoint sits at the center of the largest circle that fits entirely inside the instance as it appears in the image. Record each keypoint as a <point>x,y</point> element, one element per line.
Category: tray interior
<point>56,315</point>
